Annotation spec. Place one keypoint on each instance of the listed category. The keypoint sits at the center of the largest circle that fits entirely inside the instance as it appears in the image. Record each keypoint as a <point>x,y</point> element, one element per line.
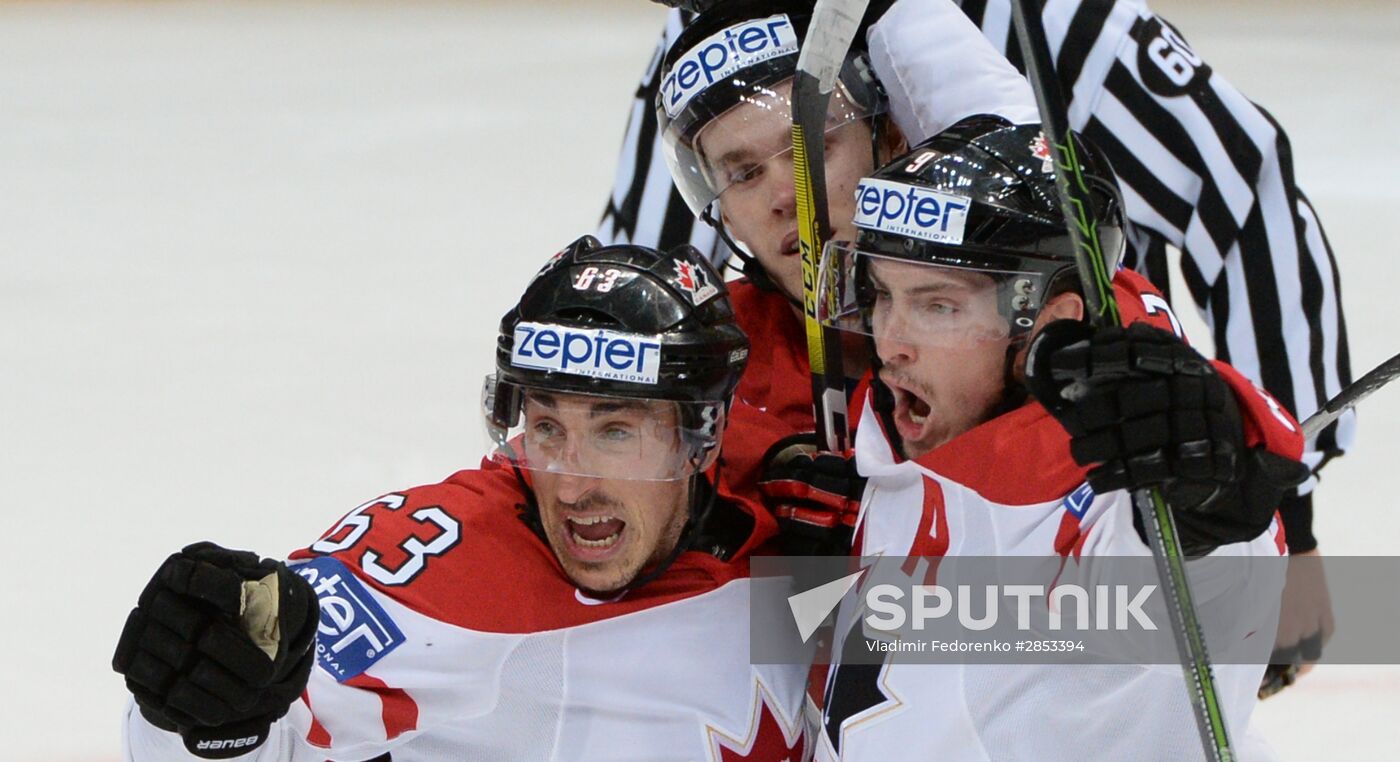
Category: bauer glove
<point>1145,410</point>
<point>218,647</point>
<point>815,496</point>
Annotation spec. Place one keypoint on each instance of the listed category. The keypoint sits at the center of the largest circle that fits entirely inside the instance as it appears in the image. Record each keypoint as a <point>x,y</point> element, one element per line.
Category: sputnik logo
<point>810,608</point>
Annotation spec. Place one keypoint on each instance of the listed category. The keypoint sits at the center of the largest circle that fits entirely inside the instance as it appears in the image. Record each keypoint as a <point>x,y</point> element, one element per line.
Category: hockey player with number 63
<point>581,595</point>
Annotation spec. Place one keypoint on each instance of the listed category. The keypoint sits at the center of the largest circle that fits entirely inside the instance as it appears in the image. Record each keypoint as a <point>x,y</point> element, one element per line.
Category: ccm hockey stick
<point>829,36</point>
<point>1347,398</point>
<point>1103,310</point>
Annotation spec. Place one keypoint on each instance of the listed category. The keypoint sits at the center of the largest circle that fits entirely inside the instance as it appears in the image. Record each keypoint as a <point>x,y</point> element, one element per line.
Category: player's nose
<point>892,342</point>
<point>782,196</point>
<point>573,488</point>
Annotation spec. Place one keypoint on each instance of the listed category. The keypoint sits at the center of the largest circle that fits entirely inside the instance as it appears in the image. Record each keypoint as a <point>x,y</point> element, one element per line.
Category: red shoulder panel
<point>1019,458</point>
<point>458,552</point>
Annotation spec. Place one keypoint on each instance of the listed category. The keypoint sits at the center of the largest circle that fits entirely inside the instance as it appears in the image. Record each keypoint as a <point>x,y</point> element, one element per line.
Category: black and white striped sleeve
<point>645,207</point>
<point>1204,169</point>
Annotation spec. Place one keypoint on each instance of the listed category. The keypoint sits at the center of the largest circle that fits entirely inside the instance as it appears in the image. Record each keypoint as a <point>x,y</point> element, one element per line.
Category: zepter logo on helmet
<point>612,367</point>
<point>721,55</point>
<point>724,103</point>
<point>959,243</point>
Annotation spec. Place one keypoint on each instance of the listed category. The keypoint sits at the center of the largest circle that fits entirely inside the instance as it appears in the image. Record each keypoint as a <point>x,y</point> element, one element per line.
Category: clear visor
<point>925,304</point>
<point>749,141</point>
<point>599,436</point>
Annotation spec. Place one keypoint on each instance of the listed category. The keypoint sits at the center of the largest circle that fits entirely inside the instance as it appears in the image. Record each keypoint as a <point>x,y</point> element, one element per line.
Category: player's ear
<point>1066,306</point>
<point>892,141</point>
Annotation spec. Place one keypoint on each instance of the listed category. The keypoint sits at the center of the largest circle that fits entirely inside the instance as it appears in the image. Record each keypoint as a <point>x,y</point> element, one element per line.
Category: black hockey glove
<point>218,647</point>
<point>1146,410</point>
<point>815,496</point>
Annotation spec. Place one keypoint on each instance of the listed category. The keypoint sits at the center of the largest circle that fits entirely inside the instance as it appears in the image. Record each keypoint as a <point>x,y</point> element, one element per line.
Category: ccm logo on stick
<point>906,210</point>
<point>723,53</point>
<point>595,352</point>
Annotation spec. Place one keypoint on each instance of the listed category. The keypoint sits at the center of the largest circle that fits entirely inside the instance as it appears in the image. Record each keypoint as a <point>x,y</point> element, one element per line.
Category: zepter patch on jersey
<point>355,631</point>
<point>723,53</point>
<point>890,207</point>
<point>592,352</point>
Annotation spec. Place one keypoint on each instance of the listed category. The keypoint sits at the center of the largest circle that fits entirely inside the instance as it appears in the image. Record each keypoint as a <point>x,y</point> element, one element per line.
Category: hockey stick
<point>1103,310</point>
<point>1348,398</point>
<point>829,36</point>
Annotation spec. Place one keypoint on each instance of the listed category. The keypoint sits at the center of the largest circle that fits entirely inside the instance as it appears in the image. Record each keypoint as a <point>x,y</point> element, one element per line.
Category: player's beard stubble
<point>648,516</point>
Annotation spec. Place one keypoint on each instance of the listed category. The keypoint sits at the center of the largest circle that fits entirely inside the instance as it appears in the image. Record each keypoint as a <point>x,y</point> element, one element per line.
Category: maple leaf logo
<point>685,276</point>
<point>1040,148</point>
<point>695,282</point>
<point>768,737</point>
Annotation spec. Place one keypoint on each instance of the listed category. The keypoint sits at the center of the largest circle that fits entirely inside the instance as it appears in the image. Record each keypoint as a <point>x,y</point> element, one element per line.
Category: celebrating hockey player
<point>992,402</point>
<point>582,595</point>
<point>1203,169</point>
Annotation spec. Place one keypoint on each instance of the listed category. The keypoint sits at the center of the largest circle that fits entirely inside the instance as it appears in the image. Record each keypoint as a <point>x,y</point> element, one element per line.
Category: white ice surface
<point>252,257</point>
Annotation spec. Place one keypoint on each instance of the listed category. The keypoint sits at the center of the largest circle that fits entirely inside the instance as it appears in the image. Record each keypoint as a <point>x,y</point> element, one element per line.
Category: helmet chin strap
<point>693,523</point>
<point>752,268</point>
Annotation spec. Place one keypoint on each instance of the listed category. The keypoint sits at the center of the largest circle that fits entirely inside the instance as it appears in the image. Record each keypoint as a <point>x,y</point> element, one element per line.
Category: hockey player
<point>1204,170</point>
<point>1000,423</point>
<point>553,604</point>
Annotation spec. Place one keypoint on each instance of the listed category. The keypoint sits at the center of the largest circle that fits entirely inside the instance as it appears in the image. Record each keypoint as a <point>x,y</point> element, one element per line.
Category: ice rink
<point>253,255</point>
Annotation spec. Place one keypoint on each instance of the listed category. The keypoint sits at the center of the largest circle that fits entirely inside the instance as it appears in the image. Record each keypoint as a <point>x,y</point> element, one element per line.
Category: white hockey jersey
<point>448,632</point>
<point>1009,487</point>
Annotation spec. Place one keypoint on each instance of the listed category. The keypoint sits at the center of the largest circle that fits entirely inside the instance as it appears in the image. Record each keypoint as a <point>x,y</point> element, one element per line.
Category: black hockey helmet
<point>622,321</point>
<point>978,197</point>
<point>736,53</point>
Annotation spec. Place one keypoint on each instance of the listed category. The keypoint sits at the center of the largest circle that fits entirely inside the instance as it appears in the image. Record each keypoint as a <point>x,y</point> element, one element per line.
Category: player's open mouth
<point>790,245</point>
<point>593,536</point>
<point>911,413</point>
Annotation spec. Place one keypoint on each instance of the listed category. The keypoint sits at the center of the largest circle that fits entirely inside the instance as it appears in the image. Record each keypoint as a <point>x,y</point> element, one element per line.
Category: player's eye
<point>940,308</point>
<point>545,430</point>
<point>617,433</point>
<point>745,173</point>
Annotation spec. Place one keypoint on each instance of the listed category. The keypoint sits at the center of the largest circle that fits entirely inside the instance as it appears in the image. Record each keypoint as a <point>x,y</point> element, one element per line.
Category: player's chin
<point>602,580</point>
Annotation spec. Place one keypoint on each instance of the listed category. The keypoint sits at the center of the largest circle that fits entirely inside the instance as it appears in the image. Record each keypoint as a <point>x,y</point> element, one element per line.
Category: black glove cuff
<point>226,741</point>
<point>1242,512</point>
<point>156,718</point>
<point>1297,514</point>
